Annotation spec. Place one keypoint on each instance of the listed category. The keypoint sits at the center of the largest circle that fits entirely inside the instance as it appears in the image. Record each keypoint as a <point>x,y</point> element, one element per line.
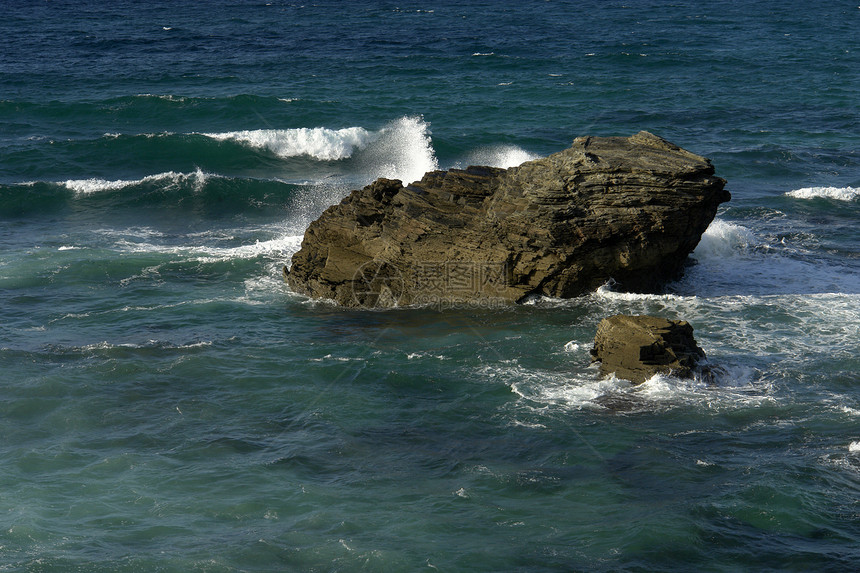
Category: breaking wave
<point>402,149</point>
<point>836,193</point>
<point>318,142</point>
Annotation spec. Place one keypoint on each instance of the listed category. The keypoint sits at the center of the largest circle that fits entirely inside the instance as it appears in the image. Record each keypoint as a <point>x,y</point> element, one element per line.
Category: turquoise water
<point>167,404</point>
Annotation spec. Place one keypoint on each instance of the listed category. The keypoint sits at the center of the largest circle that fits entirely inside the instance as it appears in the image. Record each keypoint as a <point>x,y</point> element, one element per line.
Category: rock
<point>628,209</point>
<point>636,348</point>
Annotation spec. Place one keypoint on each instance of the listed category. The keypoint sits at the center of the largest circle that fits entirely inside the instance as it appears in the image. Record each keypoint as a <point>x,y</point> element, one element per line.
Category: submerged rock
<point>636,348</point>
<point>628,209</point>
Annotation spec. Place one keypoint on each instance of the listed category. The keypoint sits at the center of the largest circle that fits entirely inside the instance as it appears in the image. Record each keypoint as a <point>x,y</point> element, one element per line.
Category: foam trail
<point>837,193</point>
<point>284,245</point>
<point>320,143</point>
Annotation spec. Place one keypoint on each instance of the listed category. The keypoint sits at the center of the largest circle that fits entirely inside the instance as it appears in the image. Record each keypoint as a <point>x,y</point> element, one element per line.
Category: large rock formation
<point>629,209</point>
<point>636,348</point>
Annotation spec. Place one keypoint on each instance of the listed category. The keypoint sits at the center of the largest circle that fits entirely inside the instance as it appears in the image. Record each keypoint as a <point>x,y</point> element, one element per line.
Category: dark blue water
<point>166,403</point>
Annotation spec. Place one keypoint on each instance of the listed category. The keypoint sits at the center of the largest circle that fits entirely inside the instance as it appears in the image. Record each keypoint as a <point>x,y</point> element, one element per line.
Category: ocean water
<point>167,404</point>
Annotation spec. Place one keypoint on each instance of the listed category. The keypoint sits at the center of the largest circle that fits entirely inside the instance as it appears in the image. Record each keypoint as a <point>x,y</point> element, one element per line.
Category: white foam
<point>171,178</point>
<point>662,388</point>
<point>606,292</point>
<point>151,343</point>
<point>402,150</point>
<point>733,260</point>
<point>337,359</point>
<point>414,355</point>
<point>504,156</point>
<point>283,246</point>
<point>94,185</point>
<point>854,447</point>
<point>837,193</point>
<point>849,410</point>
<point>545,388</point>
<point>722,239</point>
<point>133,232</point>
<point>542,389</point>
<point>165,97</point>
<point>318,142</point>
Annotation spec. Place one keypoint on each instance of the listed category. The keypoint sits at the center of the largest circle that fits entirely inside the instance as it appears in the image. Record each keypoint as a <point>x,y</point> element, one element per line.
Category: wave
<point>402,149</point>
<point>255,164</point>
<point>539,390</point>
<point>203,193</point>
<point>733,259</point>
<point>292,174</point>
<point>318,142</point>
<point>835,193</point>
<point>281,247</point>
<point>168,180</point>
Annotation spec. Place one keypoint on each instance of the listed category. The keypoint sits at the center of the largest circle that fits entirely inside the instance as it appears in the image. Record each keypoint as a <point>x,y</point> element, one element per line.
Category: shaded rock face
<point>636,348</point>
<point>629,209</point>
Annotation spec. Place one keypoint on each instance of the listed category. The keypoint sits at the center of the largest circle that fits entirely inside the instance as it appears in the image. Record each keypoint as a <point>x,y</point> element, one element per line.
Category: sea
<point>168,404</point>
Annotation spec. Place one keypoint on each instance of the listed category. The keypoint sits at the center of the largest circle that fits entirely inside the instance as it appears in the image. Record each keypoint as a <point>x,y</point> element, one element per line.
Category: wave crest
<point>197,179</point>
<point>320,143</point>
<point>837,193</point>
<point>402,149</point>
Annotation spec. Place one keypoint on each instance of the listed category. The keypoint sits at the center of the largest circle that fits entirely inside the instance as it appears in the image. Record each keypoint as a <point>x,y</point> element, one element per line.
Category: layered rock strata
<point>627,209</point>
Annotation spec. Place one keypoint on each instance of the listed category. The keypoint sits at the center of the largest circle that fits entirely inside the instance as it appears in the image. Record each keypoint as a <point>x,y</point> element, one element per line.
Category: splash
<point>402,150</point>
<point>723,239</point>
<point>504,156</point>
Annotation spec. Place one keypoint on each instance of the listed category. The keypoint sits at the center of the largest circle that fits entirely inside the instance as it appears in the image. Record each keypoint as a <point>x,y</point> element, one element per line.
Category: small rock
<point>636,348</point>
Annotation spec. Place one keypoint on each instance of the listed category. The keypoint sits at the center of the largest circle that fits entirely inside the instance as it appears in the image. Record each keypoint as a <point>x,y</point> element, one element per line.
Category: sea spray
<point>402,150</point>
<point>723,239</point>
<point>503,156</point>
